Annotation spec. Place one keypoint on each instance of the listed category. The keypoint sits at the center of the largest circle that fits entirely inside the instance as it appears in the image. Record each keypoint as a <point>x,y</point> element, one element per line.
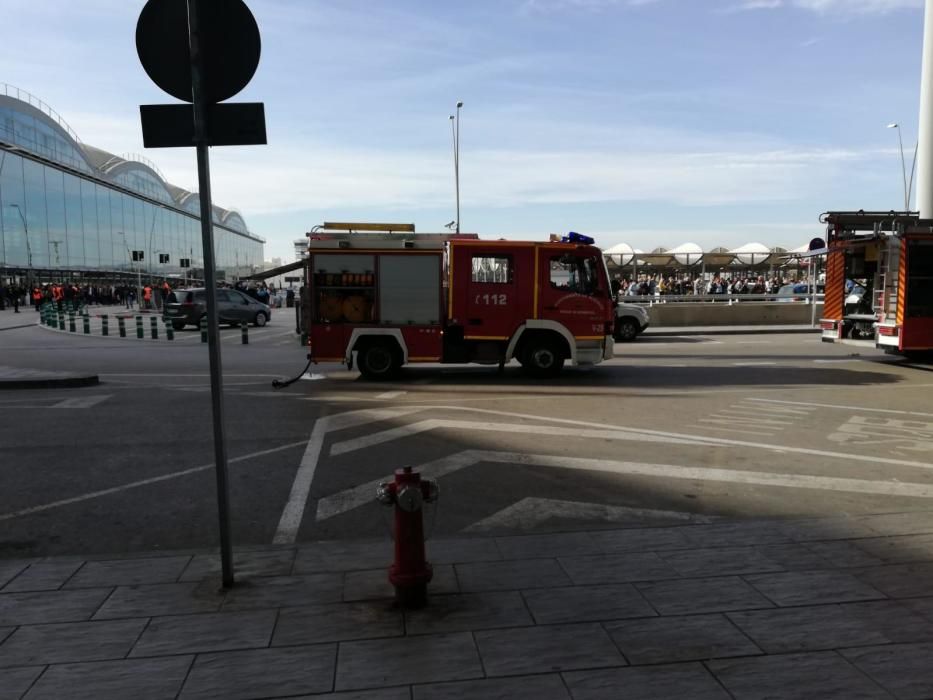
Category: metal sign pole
<point>213,335</point>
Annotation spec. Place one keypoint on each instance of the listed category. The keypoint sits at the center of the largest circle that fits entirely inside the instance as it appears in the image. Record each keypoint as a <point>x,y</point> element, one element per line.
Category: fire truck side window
<point>488,269</point>
<point>920,279</point>
<point>574,274</point>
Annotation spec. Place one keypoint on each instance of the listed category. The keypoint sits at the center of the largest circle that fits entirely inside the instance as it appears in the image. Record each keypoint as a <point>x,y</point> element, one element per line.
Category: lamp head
<point>895,125</point>
<point>459,105</point>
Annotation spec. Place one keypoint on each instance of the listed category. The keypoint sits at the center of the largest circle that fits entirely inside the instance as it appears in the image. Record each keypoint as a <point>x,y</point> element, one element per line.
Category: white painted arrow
<point>530,512</point>
<point>345,501</point>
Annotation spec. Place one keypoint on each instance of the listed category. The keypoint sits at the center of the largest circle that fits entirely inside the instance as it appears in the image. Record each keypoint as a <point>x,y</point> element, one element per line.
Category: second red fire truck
<point>390,297</point>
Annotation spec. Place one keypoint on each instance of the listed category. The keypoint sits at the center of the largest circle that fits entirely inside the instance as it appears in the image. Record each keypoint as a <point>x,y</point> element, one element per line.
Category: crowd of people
<point>75,296</point>
<point>694,285</point>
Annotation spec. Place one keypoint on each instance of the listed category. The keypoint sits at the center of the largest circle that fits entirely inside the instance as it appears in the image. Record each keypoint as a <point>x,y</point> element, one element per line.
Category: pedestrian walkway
<point>818,608</point>
<point>10,320</point>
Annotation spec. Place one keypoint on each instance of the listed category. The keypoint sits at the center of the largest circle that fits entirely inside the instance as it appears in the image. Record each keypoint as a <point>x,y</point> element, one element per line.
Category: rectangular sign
<point>228,124</point>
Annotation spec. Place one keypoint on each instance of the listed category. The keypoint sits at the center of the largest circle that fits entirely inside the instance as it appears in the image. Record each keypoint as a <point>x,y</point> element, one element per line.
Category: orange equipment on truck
<point>879,280</point>
<point>392,297</point>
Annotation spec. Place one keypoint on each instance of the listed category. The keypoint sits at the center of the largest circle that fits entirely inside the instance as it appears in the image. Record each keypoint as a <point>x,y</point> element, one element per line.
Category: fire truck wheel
<point>543,358</point>
<point>379,360</point>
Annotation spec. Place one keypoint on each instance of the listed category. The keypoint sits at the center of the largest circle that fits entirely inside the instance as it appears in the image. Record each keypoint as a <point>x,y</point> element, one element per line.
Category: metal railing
<point>652,299</point>
<point>33,101</point>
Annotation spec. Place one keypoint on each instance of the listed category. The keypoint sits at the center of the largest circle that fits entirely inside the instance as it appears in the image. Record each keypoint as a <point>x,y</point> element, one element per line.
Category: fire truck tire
<point>542,357</point>
<point>379,360</point>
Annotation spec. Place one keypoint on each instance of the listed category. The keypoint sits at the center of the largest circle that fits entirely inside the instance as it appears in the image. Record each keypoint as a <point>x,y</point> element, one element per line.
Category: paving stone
<point>812,587</point>
<point>894,619</point>
<point>899,580</point>
<point>720,561</point>
<point>185,634</point>
<point>547,546</point>
<point>671,639</point>
<point>160,599</point>
<point>641,539</point>
<point>374,584</point>
<point>920,606</point>
<point>587,603</point>
<point>140,679</point>
<point>735,534</point>
<point>14,682</point>
<point>646,683</point>
<point>343,556</point>
<point>128,572</point>
<point>472,611</point>
<point>246,564</point>
<point>460,551</point>
<point>70,642</point>
<point>400,693</point>
<point>826,529</point>
<point>546,649</point>
<point>617,568</point>
<point>903,669</point>
<point>806,629</point>
<point>43,576</point>
<point>337,622</point>
<point>914,523</point>
<point>260,673</point>
<point>421,659</point>
<point>511,575</point>
<point>793,557</point>
<point>549,687</point>
<point>284,591</point>
<point>842,553</point>
<point>894,550</point>
<point>822,674</point>
<point>50,606</point>
<point>11,569</point>
<point>702,595</point>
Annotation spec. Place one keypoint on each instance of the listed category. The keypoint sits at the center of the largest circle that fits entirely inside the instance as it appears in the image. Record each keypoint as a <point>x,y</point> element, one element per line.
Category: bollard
<point>61,321</point>
<point>121,322</point>
<point>86,320</point>
<point>204,329</point>
<point>45,316</point>
<point>303,339</point>
<point>71,322</point>
<point>244,333</point>
<point>154,327</point>
<point>105,325</point>
<point>139,327</point>
<point>169,330</point>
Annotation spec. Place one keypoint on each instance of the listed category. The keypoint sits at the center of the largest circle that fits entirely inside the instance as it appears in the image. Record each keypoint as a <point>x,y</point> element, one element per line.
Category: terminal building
<point>71,211</point>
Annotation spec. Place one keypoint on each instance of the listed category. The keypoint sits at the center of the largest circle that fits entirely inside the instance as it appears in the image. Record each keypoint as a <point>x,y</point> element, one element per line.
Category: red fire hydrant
<point>410,572</point>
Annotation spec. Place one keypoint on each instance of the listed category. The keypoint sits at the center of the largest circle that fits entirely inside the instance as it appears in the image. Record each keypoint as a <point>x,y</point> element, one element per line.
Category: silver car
<point>233,308</point>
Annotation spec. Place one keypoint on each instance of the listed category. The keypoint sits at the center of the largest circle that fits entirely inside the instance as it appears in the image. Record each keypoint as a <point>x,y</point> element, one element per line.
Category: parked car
<point>797,291</point>
<point>233,308</point>
<point>631,320</point>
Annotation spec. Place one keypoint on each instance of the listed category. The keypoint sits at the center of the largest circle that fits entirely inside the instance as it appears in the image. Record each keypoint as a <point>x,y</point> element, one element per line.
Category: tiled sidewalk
<point>834,608</point>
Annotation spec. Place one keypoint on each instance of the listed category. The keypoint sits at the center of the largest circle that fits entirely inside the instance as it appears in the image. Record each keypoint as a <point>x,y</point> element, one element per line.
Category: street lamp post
<point>28,247</point>
<point>908,185</point>
<point>455,135</point>
<point>139,272</point>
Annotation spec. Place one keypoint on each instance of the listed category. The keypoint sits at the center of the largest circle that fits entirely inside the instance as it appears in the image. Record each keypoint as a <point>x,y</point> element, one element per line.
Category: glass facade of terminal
<point>61,217</point>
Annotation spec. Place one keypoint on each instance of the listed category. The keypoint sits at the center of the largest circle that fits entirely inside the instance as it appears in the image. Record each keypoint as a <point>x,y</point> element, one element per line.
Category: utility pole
<point>455,135</point>
<point>925,142</point>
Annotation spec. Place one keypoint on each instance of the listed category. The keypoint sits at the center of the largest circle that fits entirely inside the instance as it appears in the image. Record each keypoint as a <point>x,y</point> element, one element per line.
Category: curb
<point>732,331</point>
<point>13,328</point>
<point>74,382</point>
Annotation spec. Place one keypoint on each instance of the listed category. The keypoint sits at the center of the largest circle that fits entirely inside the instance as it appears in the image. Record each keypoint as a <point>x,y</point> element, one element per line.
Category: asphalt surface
<point>675,429</point>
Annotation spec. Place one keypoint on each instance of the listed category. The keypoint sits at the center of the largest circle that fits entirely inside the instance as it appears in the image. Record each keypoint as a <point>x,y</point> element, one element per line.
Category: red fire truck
<point>879,280</point>
<point>392,297</point>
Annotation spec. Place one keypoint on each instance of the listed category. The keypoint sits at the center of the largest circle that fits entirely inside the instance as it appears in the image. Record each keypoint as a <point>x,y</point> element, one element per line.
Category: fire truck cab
<point>387,297</point>
<point>879,280</point>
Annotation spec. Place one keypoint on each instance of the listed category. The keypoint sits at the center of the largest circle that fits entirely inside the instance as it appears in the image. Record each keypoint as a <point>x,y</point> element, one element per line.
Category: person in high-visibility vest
<point>36,297</point>
<point>147,296</point>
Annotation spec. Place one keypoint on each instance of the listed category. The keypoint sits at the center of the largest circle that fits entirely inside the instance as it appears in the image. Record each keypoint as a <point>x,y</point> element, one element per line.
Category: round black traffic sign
<point>230,46</point>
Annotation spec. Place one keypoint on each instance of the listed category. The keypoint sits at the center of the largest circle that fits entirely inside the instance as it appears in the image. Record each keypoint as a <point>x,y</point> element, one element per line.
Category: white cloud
<point>858,6</point>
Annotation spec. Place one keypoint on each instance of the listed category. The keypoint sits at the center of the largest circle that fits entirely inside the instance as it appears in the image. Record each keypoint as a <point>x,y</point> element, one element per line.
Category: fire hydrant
<point>410,572</point>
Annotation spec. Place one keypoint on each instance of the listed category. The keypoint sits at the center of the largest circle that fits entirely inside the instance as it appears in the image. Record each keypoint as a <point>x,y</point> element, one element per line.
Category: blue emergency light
<point>574,237</point>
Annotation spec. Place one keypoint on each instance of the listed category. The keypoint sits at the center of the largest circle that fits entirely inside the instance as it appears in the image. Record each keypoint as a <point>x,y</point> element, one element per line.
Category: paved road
<point>675,429</point>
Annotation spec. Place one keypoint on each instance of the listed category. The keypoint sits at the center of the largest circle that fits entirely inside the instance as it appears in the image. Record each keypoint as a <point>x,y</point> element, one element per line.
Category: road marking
<point>530,512</point>
<point>519,428</point>
<point>391,394</point>
<point>697,438</point>
<point>82,401</point>
<point>344,501</point>
<point>833,362</point>
<point>142,482</point>
<point>753,364</point>
<point>294,510</point>
<point>844,407</point>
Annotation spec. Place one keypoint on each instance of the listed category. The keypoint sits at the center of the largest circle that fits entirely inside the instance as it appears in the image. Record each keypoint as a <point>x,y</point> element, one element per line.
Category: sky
<point>649,122</point>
